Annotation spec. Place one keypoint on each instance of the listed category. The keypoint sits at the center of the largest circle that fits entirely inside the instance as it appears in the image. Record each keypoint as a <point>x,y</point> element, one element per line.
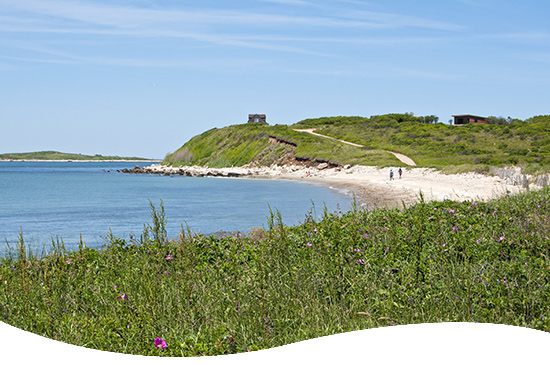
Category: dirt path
<point>401,157</point>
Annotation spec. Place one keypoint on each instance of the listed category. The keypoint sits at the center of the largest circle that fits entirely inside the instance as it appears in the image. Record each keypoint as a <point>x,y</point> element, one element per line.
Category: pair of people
<point>399,171</point>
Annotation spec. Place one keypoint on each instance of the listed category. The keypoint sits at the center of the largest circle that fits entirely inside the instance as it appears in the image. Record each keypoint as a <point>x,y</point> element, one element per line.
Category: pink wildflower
<point>308,244</point>
<point>169,257</point>
<point>160,343</point>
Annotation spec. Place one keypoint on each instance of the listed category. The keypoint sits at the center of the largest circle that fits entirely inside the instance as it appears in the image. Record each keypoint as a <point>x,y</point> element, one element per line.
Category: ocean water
<point>46,200</point>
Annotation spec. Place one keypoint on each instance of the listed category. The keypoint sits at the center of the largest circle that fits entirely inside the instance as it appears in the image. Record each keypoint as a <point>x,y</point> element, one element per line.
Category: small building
<point>256,118</point>
<point>468,119</point>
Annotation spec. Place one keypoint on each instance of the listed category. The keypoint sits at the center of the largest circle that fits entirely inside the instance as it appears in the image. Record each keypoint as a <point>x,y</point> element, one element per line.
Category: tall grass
<point>432,262</point>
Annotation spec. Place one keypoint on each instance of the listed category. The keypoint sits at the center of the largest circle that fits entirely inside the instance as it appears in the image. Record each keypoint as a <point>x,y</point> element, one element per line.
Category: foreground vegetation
<point>197,295</point>
<point>61,156</point>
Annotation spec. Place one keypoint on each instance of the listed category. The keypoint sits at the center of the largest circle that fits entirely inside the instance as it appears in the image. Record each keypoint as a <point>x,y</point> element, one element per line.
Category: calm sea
<point>66,199</point>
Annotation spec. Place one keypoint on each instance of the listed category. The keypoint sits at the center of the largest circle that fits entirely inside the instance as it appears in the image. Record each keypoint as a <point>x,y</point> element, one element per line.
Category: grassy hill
<point>239,145</point>
<point>447,147</point>
<point>521,143</point>
<point>54,155</point>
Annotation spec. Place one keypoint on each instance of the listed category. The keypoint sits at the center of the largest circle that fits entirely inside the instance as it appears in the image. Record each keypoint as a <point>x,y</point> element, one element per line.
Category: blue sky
<point>141,77</point>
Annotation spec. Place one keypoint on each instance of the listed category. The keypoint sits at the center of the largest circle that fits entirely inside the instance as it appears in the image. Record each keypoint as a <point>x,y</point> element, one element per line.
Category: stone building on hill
<point>256,118</point>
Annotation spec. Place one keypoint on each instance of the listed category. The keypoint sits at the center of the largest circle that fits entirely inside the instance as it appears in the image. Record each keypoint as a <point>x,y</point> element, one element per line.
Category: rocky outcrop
<point>305,166</point>
<point>515,176</point>
<point>191,171</point>
<point>274,139</point>
<point>315,162</point>
<point>542,180</point>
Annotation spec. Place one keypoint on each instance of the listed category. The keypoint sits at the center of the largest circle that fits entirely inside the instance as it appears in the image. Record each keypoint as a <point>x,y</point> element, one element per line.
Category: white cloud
<point>288,2</point>
<point>307,33</point>
<point>475,3</point>
<point>388,20</point>
<point>138,18</point>
<point>229,28</point>
<point>6,67</point>
<point>543,37</point>
<point>536,57</point>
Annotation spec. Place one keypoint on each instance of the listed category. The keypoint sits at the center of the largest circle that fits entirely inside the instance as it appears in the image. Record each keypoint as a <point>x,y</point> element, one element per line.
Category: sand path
<point>401,157</point>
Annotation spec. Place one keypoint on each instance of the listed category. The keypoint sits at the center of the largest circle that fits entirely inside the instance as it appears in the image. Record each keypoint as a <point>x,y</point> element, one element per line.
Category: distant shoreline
<point>56,156</point>
<point>17,160</point>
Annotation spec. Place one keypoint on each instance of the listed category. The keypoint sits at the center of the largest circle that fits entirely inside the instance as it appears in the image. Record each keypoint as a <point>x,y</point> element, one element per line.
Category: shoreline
<point>10,160</point>
<point>371,186</point>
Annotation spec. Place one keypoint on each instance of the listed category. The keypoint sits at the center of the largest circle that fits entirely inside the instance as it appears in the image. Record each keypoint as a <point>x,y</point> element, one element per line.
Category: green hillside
<point>60,156</point>
<point>515,143</point>
<point>239,145</point>
<point>507,142</point>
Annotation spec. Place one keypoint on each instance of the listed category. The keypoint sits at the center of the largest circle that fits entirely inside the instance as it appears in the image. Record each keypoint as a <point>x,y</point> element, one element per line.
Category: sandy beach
<point>371,185</point>
<point>373,188</point>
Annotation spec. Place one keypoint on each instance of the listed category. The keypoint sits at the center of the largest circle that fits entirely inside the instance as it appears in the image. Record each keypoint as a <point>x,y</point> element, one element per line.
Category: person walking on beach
<point>400,172</point>
<point>391,174</point>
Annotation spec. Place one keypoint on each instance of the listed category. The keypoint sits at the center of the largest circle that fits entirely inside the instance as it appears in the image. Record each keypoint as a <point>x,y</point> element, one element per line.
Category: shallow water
<point>66,199</point>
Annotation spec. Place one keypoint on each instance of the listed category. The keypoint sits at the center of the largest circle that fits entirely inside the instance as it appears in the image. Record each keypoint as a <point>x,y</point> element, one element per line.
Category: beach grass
<point>196,295</point>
